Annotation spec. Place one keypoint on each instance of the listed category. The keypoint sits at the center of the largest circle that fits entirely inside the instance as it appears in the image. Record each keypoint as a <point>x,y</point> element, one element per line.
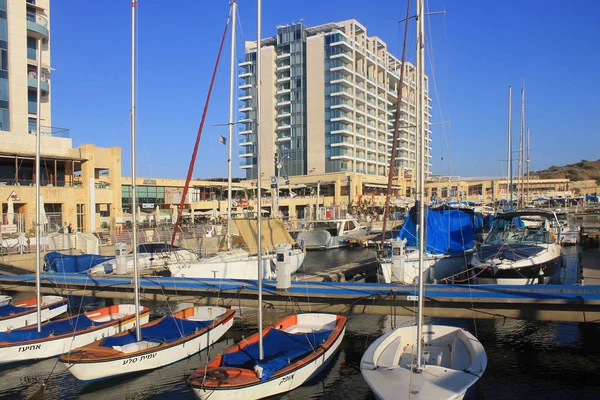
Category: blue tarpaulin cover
<point>69,325</point>
<point>280,349</point>
<point>9,309</point>
<point>59,262</point>
<point>487,221</point>
<point>449,230</point>
<point>167,330</point>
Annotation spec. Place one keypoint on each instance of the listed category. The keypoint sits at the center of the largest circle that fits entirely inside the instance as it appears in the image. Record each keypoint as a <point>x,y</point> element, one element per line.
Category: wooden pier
<point>536,302</point>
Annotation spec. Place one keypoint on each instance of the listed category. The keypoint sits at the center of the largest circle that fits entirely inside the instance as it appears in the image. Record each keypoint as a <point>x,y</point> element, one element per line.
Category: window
<point>4,60</point>
<point>4,120</point>
<point>4,89</point>
<point>32,102</point>
<point>31,48</point>
<point>3,30</point>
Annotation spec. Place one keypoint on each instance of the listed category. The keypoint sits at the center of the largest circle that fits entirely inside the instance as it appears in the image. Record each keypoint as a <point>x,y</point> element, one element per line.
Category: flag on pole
<point>222,139</point>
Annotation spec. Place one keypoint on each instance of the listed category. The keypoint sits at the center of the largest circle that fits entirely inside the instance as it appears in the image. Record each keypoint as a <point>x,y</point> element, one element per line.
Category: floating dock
<point>536,302</point>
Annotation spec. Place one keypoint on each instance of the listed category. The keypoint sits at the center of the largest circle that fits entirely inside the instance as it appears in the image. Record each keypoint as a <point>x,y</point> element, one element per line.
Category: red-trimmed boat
<point>163,341</point>
<point>295,349</point>
<point>58,337</point>
<point>24,313</point>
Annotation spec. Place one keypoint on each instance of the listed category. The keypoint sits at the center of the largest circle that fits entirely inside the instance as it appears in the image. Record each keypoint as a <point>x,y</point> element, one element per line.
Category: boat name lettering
<point>136,359</point>
<point>286,379</point>
<point>32,347</point>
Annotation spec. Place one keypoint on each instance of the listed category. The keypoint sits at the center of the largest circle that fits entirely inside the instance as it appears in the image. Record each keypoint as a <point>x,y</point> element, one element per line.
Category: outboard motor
<point>283,269</point>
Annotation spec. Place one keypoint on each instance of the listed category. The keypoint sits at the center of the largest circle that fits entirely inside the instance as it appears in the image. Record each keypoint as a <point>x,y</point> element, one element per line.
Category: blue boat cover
<point>487,221</point>
<point>449,230</point>
<point>590,197</point>
<point>169,329</point>
<point>54,328</point>
<point>9,309</point>
<point>478,222</point>
<point>62,263</point>
<point>280,349</point>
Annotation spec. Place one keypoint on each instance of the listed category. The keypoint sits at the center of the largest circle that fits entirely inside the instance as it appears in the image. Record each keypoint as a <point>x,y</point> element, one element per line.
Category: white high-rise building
<point>329,96</point>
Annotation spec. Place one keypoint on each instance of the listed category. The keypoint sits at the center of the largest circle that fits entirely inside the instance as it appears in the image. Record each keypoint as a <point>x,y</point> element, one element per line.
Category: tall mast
<point>509,182</point>
<point>38,210</point>
<point>136,277</point>
<point>231,120</point>
<point>522,149</point>
<point>259,180</point>
<point>421,166</point>
<point>527,163</point>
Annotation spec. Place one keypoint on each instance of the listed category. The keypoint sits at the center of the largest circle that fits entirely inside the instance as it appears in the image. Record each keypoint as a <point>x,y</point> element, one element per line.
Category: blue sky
<point>478,48</point>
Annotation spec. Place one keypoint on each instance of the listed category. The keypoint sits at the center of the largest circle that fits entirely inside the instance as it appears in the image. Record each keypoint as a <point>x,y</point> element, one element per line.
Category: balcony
<point>52,131</point>
<point>346,105</point>
<point>343,143</point>
<point>343,118</point>
<point>342,81</point>
<point>37,26</point>
<point>342,132</point>
<point>283,126</point>
<point>32,82</point>
<point>284,136</point>
<point>342,55</point>
<point>246,152</point>
<point>283,55</point>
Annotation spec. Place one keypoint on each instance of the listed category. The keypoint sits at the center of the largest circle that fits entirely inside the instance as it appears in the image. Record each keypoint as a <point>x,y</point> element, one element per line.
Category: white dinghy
<point>453,360</point>
<point>422,361</point>
<point>24,313</point>
<point>163,341</point>
<point>57,337</point>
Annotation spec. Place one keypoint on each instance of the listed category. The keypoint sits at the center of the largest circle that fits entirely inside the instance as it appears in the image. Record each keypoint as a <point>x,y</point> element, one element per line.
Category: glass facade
<point>146,194</point>
<point>291,50</point>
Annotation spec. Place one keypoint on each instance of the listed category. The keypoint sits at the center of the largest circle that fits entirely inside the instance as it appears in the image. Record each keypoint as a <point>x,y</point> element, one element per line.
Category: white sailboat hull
<point>436,267</point>
<point>454,360</point>
<point>146,261</point>
<point>282,384</point>
<point>54,347</point>
<point>30,318</point>
<point>153,360</point>
<point>235,264</point>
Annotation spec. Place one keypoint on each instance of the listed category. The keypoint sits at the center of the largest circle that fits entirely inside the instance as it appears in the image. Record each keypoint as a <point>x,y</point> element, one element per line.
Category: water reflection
<point>525,359</point>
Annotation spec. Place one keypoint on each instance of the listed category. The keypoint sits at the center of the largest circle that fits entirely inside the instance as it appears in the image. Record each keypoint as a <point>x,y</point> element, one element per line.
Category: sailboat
<point>449,248</point>
<point>54,338</point>
<point>57,337</point>
<point>239,262</point>
<point>24,313</point>
<point>282,356</point>
<point>161,342</point>
<point>423,361</point>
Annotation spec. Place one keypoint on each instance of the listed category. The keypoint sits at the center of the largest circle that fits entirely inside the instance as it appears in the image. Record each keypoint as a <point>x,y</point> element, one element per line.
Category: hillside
<point>580,171</point>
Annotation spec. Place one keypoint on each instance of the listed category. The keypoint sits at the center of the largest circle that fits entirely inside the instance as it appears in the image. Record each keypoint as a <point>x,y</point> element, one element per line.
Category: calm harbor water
<point>526,360</point>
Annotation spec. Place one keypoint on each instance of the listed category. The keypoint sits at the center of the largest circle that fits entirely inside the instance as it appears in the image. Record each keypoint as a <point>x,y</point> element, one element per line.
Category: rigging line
<point>392,168</point>
<point>428,46</point>
<point>199,135</point>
